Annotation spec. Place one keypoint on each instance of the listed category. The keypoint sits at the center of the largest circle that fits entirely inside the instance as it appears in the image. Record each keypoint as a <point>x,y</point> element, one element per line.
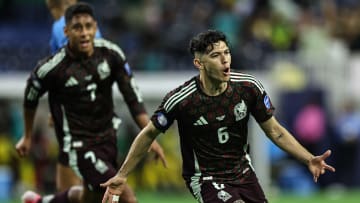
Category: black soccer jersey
<point>80,92</point>
<point>213,129</point>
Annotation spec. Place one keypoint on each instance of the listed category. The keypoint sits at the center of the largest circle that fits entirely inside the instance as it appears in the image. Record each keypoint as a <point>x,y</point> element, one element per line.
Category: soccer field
<point>330,197</point>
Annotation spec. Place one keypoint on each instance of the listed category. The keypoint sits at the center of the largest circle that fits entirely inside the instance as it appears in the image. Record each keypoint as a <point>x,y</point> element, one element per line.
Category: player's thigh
<point>65,177</point>
<point>75,193</point>
<point>94,170</point>
<point>96,164</point>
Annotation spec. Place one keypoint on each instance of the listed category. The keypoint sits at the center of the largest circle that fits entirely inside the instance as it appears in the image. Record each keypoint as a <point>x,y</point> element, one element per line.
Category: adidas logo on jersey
<point>201,121</point>
<point>220,118</point>
<point>71,82</point>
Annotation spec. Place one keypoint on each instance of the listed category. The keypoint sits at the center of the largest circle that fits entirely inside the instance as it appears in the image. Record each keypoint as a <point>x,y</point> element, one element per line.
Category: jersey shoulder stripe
<point>45,68</point>
<point>110,45</point>
<point>242,77</point>
<point>179,95</point>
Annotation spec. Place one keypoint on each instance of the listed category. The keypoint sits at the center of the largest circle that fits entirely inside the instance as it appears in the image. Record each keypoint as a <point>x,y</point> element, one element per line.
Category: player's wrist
<point>308,160</point>
<point>27,135</point>
<point>122,174</point>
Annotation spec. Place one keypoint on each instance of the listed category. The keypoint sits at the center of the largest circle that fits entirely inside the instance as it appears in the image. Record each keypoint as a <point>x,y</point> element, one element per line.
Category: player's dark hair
<point>78,8</point>
<point>203,40</point>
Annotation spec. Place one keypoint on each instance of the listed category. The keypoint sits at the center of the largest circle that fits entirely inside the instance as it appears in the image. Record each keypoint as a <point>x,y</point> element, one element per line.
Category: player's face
<point>216,63</point>
<point>81,33</point>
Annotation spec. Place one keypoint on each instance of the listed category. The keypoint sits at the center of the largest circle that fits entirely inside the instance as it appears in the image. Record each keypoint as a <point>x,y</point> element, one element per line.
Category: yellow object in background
<point>289,76</point>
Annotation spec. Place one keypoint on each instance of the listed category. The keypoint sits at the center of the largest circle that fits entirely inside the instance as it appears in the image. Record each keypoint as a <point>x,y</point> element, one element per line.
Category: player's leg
<point>72,195</point>
<point>65,177</point>
<point>97,164</point>
<point>67,182</point>
<point>75,193</point>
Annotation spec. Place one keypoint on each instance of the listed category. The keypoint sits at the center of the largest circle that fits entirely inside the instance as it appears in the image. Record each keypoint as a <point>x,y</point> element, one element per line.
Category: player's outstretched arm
<point>142,120</point>
<point>283,139</point>
<point>138,149</point>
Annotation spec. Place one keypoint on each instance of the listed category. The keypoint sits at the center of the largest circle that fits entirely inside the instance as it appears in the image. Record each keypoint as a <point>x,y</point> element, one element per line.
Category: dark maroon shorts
<point>63,157</point>
<point>96,164</point>
<point>214,192</point>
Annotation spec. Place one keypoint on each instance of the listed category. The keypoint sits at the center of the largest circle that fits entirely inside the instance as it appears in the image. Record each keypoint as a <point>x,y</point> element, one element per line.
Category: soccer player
<point>79,80</point>
<point>212,110</point>
<point>65,176</point>
<point>57,9</point>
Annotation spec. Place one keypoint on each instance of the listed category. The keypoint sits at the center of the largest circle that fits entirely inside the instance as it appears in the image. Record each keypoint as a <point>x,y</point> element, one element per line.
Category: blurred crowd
<point>155,33</point>
<point>318,107</point>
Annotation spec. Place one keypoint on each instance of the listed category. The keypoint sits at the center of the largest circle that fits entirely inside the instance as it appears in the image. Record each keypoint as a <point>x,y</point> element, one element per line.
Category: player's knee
<point>75,193</point>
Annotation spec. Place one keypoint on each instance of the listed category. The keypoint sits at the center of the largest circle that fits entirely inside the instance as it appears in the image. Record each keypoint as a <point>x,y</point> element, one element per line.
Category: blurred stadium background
<point>305,52</point>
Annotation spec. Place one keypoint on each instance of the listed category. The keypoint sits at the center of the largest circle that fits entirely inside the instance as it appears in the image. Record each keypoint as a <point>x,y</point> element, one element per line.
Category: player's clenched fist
<point>23,146</point>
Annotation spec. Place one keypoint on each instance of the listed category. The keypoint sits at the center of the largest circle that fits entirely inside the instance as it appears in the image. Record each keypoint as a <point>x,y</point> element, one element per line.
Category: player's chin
<point>226,78</point>
<point>85,50</point>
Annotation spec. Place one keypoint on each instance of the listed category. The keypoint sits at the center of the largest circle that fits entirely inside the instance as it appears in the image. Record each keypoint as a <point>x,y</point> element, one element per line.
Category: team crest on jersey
<point>103,70</point>
<point>162,119</point>
<point>223,195</point>
<point>240,110</point>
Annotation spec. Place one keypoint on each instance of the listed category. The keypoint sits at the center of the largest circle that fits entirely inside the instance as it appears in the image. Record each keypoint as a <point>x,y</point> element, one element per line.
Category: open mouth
<point>84,43</point>
<point>226,71</point>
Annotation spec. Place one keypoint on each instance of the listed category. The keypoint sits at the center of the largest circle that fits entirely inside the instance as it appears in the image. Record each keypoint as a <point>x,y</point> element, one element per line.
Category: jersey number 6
<point>223,135</point>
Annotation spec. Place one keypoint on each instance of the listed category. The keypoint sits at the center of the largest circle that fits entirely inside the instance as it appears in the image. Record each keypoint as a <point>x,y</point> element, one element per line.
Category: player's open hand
<point>23,146</point>
<point>318,166</point>
<point>114,188</point>
<point>159,153</point>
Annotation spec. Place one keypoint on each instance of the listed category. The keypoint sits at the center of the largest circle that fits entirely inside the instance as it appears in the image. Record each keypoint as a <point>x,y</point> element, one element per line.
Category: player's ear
<point>95,25</point>
<point>198,64</point>
<point>66,31</point>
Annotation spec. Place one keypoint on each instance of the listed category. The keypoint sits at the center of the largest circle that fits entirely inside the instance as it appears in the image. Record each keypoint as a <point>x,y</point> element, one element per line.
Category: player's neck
<point>211,87</point>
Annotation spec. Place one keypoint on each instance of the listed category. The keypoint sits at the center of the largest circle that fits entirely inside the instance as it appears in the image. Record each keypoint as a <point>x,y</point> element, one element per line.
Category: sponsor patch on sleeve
<point>267,101</point>
<point>127,68</point>
<point>162,119</point>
